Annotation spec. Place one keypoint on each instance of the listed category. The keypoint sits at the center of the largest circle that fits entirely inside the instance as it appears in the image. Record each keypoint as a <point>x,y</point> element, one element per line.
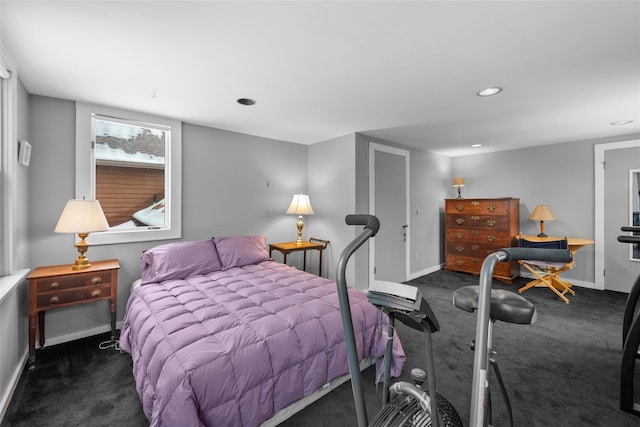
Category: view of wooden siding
<point>122,191</point>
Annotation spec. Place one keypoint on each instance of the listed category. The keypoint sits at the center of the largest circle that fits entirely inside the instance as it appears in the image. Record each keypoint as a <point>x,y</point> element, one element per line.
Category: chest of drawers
<point>475,228</point>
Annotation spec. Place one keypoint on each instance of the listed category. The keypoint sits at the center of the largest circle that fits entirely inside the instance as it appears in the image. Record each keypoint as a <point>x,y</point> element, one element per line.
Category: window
<point>131,163</point>
<point>8,187</point>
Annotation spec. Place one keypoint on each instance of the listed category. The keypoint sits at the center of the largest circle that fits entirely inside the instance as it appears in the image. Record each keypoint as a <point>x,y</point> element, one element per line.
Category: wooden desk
<point>288,247</point>
<point>61,286</point>
<point>561,286</point>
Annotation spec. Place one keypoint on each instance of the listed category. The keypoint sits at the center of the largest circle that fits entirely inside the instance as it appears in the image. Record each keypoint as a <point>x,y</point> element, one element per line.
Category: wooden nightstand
<point>60,286</point>
<point>288,247</point>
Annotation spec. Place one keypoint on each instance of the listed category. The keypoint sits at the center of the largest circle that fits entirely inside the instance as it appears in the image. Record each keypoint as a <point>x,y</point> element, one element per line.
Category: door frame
<point>373,147</point>
<point>599,153</point>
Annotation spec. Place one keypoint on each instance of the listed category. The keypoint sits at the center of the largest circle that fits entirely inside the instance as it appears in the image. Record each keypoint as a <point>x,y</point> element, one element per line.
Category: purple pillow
<point>237,251</point>
<point>179,261</point>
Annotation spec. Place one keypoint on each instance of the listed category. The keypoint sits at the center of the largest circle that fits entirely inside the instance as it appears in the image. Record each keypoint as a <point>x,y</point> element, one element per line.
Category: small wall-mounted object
<point>24,153</point>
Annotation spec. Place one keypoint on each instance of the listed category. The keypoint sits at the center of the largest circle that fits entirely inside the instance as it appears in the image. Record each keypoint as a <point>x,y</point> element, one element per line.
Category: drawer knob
<point>95,293</point>
<point>460,248</point>
<point>54,300</point>
<point>459,262</point>
<point>491,237</point>
<point>96,281</point>
<point>459,235</point>
<point>491,222</point>
<point>491,207</point>
<point>459,207</point>
<point>475,217</point>
<point>460,221</point>
<point>475,247</point>
<point>55,286</point>
<point>475,203</point>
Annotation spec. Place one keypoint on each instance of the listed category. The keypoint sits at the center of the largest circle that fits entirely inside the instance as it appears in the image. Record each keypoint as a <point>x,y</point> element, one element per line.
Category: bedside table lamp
<point>82,217</point>
<point>300,205</point>
<point>542,213</point>
<point>458,182</point>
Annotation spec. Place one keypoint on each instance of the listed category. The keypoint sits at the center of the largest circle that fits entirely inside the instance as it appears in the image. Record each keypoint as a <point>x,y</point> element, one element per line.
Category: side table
<point>288,247</point>
<point>61,286</point>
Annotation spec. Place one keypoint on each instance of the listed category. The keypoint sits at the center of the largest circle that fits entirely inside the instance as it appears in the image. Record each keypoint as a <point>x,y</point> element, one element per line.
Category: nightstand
<point>313,244</point>
<point>61,286</point>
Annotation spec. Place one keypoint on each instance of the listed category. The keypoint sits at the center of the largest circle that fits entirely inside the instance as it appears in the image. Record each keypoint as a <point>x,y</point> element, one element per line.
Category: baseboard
<point>425,271</point>
<point>80,334</point>
<point>13,383</point>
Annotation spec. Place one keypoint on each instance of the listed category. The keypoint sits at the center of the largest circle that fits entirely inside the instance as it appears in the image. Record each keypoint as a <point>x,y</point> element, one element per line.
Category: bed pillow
<point>179,261</point>
<point>237,251</point>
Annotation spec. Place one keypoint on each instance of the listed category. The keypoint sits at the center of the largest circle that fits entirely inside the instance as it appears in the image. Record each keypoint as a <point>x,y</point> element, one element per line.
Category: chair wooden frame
<point>547,274</point>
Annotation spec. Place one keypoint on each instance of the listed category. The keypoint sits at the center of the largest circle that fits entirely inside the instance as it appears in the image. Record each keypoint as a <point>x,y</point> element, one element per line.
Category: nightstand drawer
<point>76,281</point>
<point>86,294</point>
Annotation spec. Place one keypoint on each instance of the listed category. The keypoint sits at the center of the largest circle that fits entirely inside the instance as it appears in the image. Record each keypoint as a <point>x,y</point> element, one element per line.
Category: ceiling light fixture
<point>476,145</point>
<point>621,122</point>
<point>490,91</point>
<point>246,101</point>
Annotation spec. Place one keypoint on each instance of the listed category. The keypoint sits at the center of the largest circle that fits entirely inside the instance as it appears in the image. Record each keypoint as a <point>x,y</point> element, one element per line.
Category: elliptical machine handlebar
<point>369,221</point>
<point>539,254</point>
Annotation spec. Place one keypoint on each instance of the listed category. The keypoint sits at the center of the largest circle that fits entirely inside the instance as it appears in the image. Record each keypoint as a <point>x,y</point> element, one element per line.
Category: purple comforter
<point>234,347</point>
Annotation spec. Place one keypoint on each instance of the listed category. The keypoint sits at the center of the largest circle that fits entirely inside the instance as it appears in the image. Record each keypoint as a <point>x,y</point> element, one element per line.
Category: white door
<point>389,202</point>
<point>619,271</point>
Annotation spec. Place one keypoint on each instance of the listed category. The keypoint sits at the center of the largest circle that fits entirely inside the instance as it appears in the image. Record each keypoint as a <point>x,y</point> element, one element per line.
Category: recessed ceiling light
<point>476,145</point>
<point>622,122</point>
<point>246,101</point>
<point>490,91</point>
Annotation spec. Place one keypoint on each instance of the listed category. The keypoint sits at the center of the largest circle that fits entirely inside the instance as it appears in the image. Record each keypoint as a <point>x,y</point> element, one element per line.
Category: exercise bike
<point>413,406</point>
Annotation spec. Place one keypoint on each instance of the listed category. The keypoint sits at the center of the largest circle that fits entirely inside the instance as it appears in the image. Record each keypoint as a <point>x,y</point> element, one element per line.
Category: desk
<point>561,286</point>
<point>288,247</point>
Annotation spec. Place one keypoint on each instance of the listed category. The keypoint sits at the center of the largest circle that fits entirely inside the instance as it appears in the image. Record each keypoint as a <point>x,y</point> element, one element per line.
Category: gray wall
<point>229,183</point>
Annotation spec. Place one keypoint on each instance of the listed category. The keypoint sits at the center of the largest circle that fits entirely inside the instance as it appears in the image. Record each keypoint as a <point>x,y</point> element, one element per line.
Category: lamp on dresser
<point>542,213</point>
<point>458,182</point>
<point>82,217</point>
<point>300,205</point>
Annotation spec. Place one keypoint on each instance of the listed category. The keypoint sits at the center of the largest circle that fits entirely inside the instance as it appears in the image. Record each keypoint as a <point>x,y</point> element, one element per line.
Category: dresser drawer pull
<point>459,207</point>
<point>475,247</point>
<point>475,232</point>
<point>491,237</point>
<point>54,300</point>
<point>55,286</point>
<point>491,207</point>
<point>459,263</point>
<point>460,248</point>
<point>95,293</point>
<point>475,203</point>
<point>96,281</point>
<point>460,221</point>
<point>475,261</point>
<point>491,222</point>
<point>475,217</point>
<point>459,235</point>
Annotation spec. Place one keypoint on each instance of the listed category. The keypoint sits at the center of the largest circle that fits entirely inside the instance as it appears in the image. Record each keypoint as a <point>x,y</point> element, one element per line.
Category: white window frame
<point>8,166</point>
<point>85,173</point>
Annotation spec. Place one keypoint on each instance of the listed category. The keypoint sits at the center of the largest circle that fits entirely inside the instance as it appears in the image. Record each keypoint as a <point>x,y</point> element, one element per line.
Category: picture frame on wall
<point>24,153</point>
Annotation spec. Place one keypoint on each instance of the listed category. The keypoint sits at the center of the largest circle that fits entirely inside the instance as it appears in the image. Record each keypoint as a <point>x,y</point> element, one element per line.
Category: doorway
<point>389,201</point>
<point>614,269</point>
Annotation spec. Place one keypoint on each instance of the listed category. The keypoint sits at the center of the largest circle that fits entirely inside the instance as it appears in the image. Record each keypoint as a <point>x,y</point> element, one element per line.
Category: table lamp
<point>82,217</point>
<point>300,205</point>
<point>458,182</point>
<point>542,213</point>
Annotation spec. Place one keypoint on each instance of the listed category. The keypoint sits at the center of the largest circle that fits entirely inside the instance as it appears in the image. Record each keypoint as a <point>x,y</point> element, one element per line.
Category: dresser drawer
<point>477,221</point>
<point>488,237</point>
<point>473,265</point>
<point>56,283</point>
<point>86,294</point>
<point>478,206</point>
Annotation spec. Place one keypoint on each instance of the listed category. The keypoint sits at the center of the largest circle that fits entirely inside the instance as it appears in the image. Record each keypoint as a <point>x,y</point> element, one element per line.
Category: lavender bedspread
<point>233,347</point>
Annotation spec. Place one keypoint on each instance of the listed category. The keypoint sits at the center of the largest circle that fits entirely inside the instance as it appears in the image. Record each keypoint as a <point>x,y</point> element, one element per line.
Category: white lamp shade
<point>300,205</point>
<point>82,216</point>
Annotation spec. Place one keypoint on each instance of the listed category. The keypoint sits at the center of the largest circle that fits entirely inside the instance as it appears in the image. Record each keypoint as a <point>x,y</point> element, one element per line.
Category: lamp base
<point>82,246</point>
<point>300,225</point>
<point>81,263</point>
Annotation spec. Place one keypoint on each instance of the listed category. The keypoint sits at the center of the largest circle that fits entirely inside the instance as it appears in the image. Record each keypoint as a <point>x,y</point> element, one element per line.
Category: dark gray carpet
<point>562,371</point>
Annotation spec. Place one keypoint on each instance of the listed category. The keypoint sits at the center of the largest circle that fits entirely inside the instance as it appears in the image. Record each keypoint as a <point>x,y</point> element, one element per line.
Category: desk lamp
<point>82,217</point>
<point>542,213</point>
<point>300,205</point>
<point>458,182</point>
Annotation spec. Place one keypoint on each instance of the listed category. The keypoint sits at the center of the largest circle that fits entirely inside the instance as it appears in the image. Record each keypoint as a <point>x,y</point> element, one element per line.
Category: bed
<point>220,334</point>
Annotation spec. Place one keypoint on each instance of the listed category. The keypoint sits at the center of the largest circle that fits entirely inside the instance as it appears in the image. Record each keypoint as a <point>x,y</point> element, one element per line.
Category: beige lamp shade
<point>82,217</point>
<point>542,213</point>
<point>300,205</point>
<point>458,182</point>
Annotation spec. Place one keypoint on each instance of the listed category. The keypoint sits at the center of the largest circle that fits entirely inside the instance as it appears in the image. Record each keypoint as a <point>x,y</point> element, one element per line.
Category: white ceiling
<point>403,71</point>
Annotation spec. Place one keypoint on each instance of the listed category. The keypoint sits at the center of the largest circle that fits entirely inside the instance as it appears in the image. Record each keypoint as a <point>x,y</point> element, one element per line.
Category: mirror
<point>634,210</point>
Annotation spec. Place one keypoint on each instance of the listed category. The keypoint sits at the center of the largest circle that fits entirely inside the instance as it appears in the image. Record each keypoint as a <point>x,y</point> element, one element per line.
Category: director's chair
<point>547,273</point>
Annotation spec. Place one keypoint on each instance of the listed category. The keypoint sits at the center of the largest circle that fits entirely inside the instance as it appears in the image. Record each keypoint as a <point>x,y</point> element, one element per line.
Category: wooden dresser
<point>475,228</point>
